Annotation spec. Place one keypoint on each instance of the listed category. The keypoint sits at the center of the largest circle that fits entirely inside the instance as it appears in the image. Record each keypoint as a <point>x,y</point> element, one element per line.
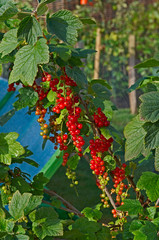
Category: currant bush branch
<point>65,209</point>
<point>66,203</point>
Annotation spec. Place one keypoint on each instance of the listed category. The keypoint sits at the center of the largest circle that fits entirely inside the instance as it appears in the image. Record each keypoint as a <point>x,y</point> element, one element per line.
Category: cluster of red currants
<point>74,127</point>
<point>68,81</point>
<point>119,176</point>
<point>100,119</point>
<point>97,147</point>
<point>46,77</point>
<point>62,140</point>
<point>11,87</point>
<point>65,99</point>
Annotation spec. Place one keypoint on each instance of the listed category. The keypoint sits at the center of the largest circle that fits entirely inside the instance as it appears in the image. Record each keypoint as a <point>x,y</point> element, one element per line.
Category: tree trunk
<point>131,74</point>
<point>97,55</point>
<point>63,4</point>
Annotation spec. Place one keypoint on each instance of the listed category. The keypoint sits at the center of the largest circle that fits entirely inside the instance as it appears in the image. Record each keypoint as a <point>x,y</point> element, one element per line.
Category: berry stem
<point>105,189</point>
<point>110,198</point>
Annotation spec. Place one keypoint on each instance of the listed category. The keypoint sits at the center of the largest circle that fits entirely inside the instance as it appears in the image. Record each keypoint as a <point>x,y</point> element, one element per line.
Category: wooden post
<point>97,55</point>
<point>131,73</point>
<point>63,4</point>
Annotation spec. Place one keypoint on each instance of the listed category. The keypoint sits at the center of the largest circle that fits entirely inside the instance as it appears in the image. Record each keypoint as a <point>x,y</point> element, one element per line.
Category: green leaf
<point>132,206</point>
<point>92,214</point>
<point>105,132</point>
<point>156,221</point>
<point>27,60</point>
<point>6,117</point>
<point>157,159</point>
<point>15,148</point>
<point>74,234</point>
<point>87,150</point>
<point>29,29</point>
<point>34,202</point>
<point>86,226</point>
<point>102,82</point>
<point>115,134</point>
<point>152,135</point>
<point>141,82</point>
<point>149,108</point>
<point>22,15</point>
<point>20,184</point>
<point>9,147</point>
<point>135,225</point>
<point>104,234</point>
<point>149,182</point>
<point>134,134</point>
<point>22,237</point>
<point>31,162</point>
<point>7,9</point>
<point>51,96</point>
<point>2,221</point>
<point>62,50</point>
<point>9,42</point>
<point>19,229</point>
<point>87,21</point>
<point>148,63</point>
<point>149,230</point>
<point>139,235</point>
<point>82,53</point>
<point>73,161</point>
<point>9,225</point>
<point>27,97</point>
<point>3,171</point>
<point>101,91</point>
<point>151,211</point>
<point>77,75</point>
<point>27,160</point>
<point>63,113</point>
<point>39,181</point>
<point>18,204</point>
<point>6,59</point>
<point>64,25</point>
<point>42,8</point>
<point>46,223</point>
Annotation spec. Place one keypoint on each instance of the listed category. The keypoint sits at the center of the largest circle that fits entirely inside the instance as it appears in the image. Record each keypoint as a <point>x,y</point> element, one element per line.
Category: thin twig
<point>157,202</point>
<point>110,197</point>
<point>65,209</point>
<point>66,203</point>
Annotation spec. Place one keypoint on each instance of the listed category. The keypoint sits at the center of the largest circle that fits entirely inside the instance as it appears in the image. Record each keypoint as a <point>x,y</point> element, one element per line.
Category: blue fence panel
<point>28,129</point>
